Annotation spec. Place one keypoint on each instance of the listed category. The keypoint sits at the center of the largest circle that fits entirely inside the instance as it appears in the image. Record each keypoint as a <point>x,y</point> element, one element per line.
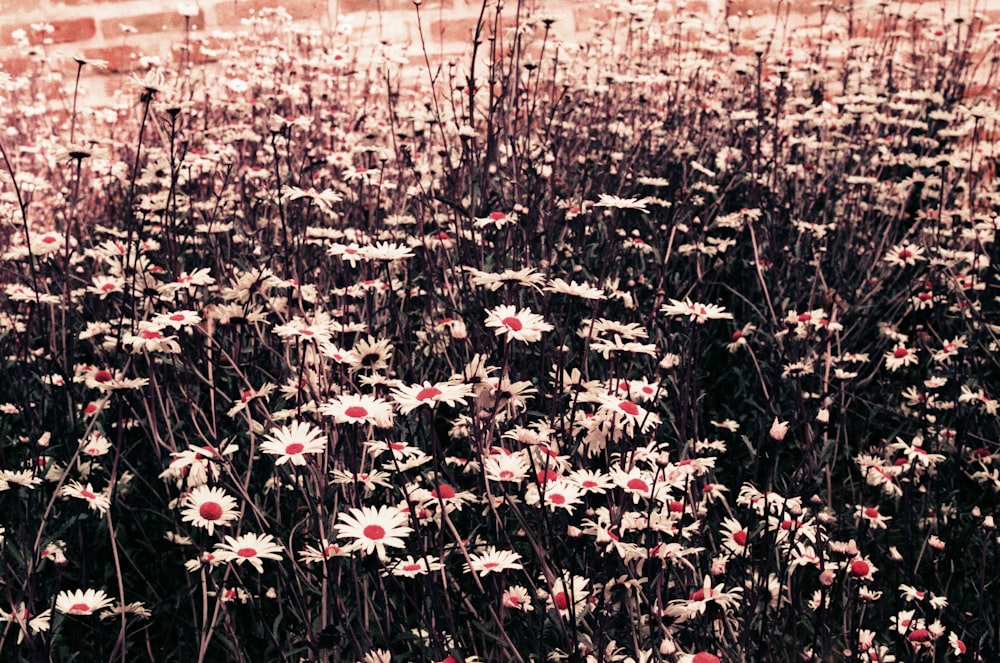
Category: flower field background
<point>676,345</point>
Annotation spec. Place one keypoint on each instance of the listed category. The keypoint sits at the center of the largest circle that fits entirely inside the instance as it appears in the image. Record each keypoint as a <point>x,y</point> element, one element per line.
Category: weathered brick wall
<point>128,34</point>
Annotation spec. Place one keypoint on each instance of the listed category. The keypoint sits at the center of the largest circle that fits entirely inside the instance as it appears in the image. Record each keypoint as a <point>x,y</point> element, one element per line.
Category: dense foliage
<point>676,345</point>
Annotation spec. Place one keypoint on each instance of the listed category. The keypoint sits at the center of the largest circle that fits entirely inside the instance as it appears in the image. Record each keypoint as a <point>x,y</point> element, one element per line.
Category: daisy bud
<point>823,416</point>
<point>667,647</point>
<point>573,532</point>
<point>894,554</point>
<point>989,523</point>
<point>718,566</point>
<point>43,441</point>
<point>271,593</point>
<point>826,578</point>
<point>458,330</point>
<point>778,430</point>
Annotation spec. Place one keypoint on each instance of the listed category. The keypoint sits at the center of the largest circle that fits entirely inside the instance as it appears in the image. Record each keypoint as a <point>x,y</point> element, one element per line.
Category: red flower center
<point>704,657</point>
<point>427,393</point>
<point>546,475</point>
<point>86,494</point>
<point>356,412</point>
<point>871,512</point>
<point>899,353</point>
<point>177,317</point>
<point>560,600</point>
<point>628,407</point>
<point>374,532</point>
<point>247,553</point>
<point>444,491</point>
<point>512,323</point>
<point>557,498</point>
<point>102,376</point>
<point>210,511</point>
<point>497,216</point>
<point>80,607</point>
<point>637,484</point>
<point>410,568</point>
<point>860,568</point>
<point>150,334</point>
<point>740,537</point>
<point>919,635</point>
<point>294,448</point>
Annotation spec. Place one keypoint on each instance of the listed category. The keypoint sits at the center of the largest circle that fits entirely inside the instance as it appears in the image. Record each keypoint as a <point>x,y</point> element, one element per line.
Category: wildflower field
<point>676,345</point>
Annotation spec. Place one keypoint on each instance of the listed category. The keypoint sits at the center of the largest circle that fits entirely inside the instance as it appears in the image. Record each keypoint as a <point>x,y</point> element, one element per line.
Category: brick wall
<point>128,34</point>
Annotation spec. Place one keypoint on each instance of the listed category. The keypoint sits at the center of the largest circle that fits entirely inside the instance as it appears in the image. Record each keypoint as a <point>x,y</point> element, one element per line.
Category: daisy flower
<point>452,499</point>
<point>558,494</point>
<point>299,328</point>
<point>591,481</point>
<point>150,338</point>
<point>517,597</point>
<point>137,608</point>
<point>636,482</point>
<point>900,356</point>
<point>82,602</point>
<point>493,561</point>
<point>569,596</point>
<point>410,397</point>
<point>627,413</point>
<point>617,202</point>
<point>371,354</point>
<point>325,551</point>
<point>957,646</point>
<point>250,548</point>
<point>20,617</point>
<point>409,567</point>
<point>96,501</point>
<point>905,254</point>
<point>373,529</point>
<point>696,311</point>
<point>862,568</point>
<point>517,325</point>
<point>207,507</point>
<point>735,536</point>
<point>699,600</point>
<point>385,251</point>
<point>177,319</point>
<point>23,478</point>
<point>291,443</point>
<point>871,514</point>
<point>506,467</point>
<point>359,409</point>
<point>105,285</point>
<point>574,289</point>
<point>95,444</point>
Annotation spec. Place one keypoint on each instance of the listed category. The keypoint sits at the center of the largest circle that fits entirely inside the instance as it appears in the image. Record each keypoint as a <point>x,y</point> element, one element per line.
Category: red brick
<point>362,6</point>
<point>18,65</point>
<point>119,58</point>
<point>231,12</point>
<point>146,23</point>
<point>455,30</point>
<point>203,50</point>
<point>78,29</point>
<point>758,7</point>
